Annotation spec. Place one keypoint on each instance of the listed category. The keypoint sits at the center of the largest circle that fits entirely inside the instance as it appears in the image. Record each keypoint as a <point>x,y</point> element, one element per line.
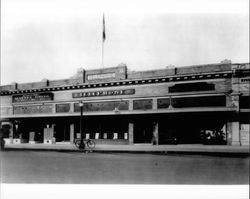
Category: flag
<point>103,29</point>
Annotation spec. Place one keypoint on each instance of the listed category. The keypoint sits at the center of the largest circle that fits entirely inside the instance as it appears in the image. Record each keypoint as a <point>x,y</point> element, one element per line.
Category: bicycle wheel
<point>78,143</point>
<point>91,144</point>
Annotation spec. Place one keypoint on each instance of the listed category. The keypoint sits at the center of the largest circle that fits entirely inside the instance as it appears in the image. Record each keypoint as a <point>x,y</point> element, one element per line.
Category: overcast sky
<point>53,38</point>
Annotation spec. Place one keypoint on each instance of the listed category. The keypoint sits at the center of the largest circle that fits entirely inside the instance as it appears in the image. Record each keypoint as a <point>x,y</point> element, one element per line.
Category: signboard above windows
<point>32,97</point>
<point>104,93</point>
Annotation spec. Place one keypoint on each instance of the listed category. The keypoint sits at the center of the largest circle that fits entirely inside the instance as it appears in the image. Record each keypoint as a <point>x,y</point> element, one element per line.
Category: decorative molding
<point>176,78</point>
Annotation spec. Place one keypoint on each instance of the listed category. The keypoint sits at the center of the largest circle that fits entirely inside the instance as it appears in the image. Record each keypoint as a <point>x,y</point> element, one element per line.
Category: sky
<point>52,39</point>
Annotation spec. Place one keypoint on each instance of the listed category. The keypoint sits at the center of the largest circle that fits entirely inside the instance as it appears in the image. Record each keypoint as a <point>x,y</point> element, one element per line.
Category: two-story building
<point>205,104</point>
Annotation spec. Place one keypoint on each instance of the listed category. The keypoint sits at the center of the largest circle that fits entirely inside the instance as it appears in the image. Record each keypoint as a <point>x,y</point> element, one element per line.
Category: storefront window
<point>104,128</point>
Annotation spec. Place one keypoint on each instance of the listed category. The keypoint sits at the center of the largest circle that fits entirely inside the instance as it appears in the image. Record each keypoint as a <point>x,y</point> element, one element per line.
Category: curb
<point>162,152</point>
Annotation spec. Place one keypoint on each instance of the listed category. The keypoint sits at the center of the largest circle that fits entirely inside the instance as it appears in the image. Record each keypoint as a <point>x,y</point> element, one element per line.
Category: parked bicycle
<point>90,144</point>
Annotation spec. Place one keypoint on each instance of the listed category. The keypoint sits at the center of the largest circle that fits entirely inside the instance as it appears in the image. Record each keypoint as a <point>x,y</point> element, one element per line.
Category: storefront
<point>189,105</point>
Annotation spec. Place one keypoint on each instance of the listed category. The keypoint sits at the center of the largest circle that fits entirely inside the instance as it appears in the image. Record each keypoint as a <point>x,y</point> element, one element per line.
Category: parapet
<point>122,73</point>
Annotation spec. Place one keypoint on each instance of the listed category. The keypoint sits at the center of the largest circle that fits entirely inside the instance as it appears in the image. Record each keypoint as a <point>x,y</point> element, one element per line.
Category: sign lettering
<point>104,93</point>
<point>101,76</point>
<point>32,97</point>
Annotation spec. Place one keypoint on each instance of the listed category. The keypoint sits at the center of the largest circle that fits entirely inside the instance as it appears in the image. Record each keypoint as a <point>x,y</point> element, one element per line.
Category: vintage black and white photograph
<point>138,98</point>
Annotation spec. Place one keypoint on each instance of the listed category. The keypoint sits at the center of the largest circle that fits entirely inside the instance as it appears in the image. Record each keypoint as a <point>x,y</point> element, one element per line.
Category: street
<point>121,168</point>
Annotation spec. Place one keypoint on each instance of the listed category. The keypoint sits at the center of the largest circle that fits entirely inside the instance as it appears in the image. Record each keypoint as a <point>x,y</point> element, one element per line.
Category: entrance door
<point>143,132</point>
<point>62,132</point>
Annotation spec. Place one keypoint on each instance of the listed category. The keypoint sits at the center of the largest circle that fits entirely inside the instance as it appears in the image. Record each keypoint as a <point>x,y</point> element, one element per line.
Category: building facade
<point>205,104</point>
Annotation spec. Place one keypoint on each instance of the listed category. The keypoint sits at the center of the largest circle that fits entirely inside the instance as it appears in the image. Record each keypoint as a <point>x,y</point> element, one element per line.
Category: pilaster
<point>72,126</point>
<point>131,133</point>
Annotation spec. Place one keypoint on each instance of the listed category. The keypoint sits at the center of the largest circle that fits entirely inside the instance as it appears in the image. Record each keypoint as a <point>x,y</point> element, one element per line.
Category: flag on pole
<point>103,29</point>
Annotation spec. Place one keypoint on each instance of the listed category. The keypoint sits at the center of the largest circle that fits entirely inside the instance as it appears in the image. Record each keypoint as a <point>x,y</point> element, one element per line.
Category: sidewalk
<point>139,148</point>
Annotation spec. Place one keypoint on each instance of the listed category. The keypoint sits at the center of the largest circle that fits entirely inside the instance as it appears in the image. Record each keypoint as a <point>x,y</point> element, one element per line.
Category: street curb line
<point>228,154</point>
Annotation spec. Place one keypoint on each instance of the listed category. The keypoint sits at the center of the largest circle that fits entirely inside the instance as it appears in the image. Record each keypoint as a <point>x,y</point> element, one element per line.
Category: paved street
<point>123,168</point>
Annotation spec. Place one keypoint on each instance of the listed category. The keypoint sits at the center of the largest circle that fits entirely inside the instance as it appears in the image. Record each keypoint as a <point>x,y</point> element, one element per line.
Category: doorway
<point>62,132</point>
<point>143,131</point>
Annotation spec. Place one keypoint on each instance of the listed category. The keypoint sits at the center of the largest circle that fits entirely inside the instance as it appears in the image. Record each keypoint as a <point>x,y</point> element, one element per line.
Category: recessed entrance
<point>62,132</point>
<point>143,131</point>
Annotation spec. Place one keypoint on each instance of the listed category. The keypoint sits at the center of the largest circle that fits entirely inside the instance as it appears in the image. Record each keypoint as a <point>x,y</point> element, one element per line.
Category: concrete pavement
<point>138,148</point>
<point>122,168</point>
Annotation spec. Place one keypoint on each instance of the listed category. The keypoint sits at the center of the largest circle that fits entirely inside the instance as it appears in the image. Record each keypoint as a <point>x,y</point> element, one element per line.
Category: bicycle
<point>90,144</point>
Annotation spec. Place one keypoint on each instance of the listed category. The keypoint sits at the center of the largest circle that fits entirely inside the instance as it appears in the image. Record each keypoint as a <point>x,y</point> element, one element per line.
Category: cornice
<point>156,80</point>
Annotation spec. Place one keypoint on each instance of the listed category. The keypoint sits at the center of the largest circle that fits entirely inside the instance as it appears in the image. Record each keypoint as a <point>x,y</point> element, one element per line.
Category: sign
<point>104,93</point>
<point>101,76</point>
<point>245,80</point>
<point>31,97</point>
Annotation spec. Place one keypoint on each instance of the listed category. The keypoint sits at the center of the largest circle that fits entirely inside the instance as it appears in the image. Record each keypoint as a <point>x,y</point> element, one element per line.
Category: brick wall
<point>203,69</point>
<point>151,74</point>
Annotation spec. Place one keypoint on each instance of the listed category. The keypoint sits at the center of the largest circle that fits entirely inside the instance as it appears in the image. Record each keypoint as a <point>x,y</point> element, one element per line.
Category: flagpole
<point>103,54</point>
<point>103,38</point>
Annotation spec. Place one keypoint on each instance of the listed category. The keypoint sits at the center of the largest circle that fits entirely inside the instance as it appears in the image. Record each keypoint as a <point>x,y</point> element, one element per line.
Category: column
<point>154,104</point>
<point>131,133</point>
<point>11,132</point>
<point>53,134</point>
<point>233,126</point>
<point>53,108</point>
<point>72,126</point>
<point>71,109</point>
<point>233,133</point>
<point>236,133</point>
<point>130,105</point>
<point>48,134</point>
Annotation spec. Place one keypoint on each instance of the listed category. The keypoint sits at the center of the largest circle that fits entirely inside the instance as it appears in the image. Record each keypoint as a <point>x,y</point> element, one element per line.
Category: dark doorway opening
<point>143,131</point>
<point>62,130</point>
